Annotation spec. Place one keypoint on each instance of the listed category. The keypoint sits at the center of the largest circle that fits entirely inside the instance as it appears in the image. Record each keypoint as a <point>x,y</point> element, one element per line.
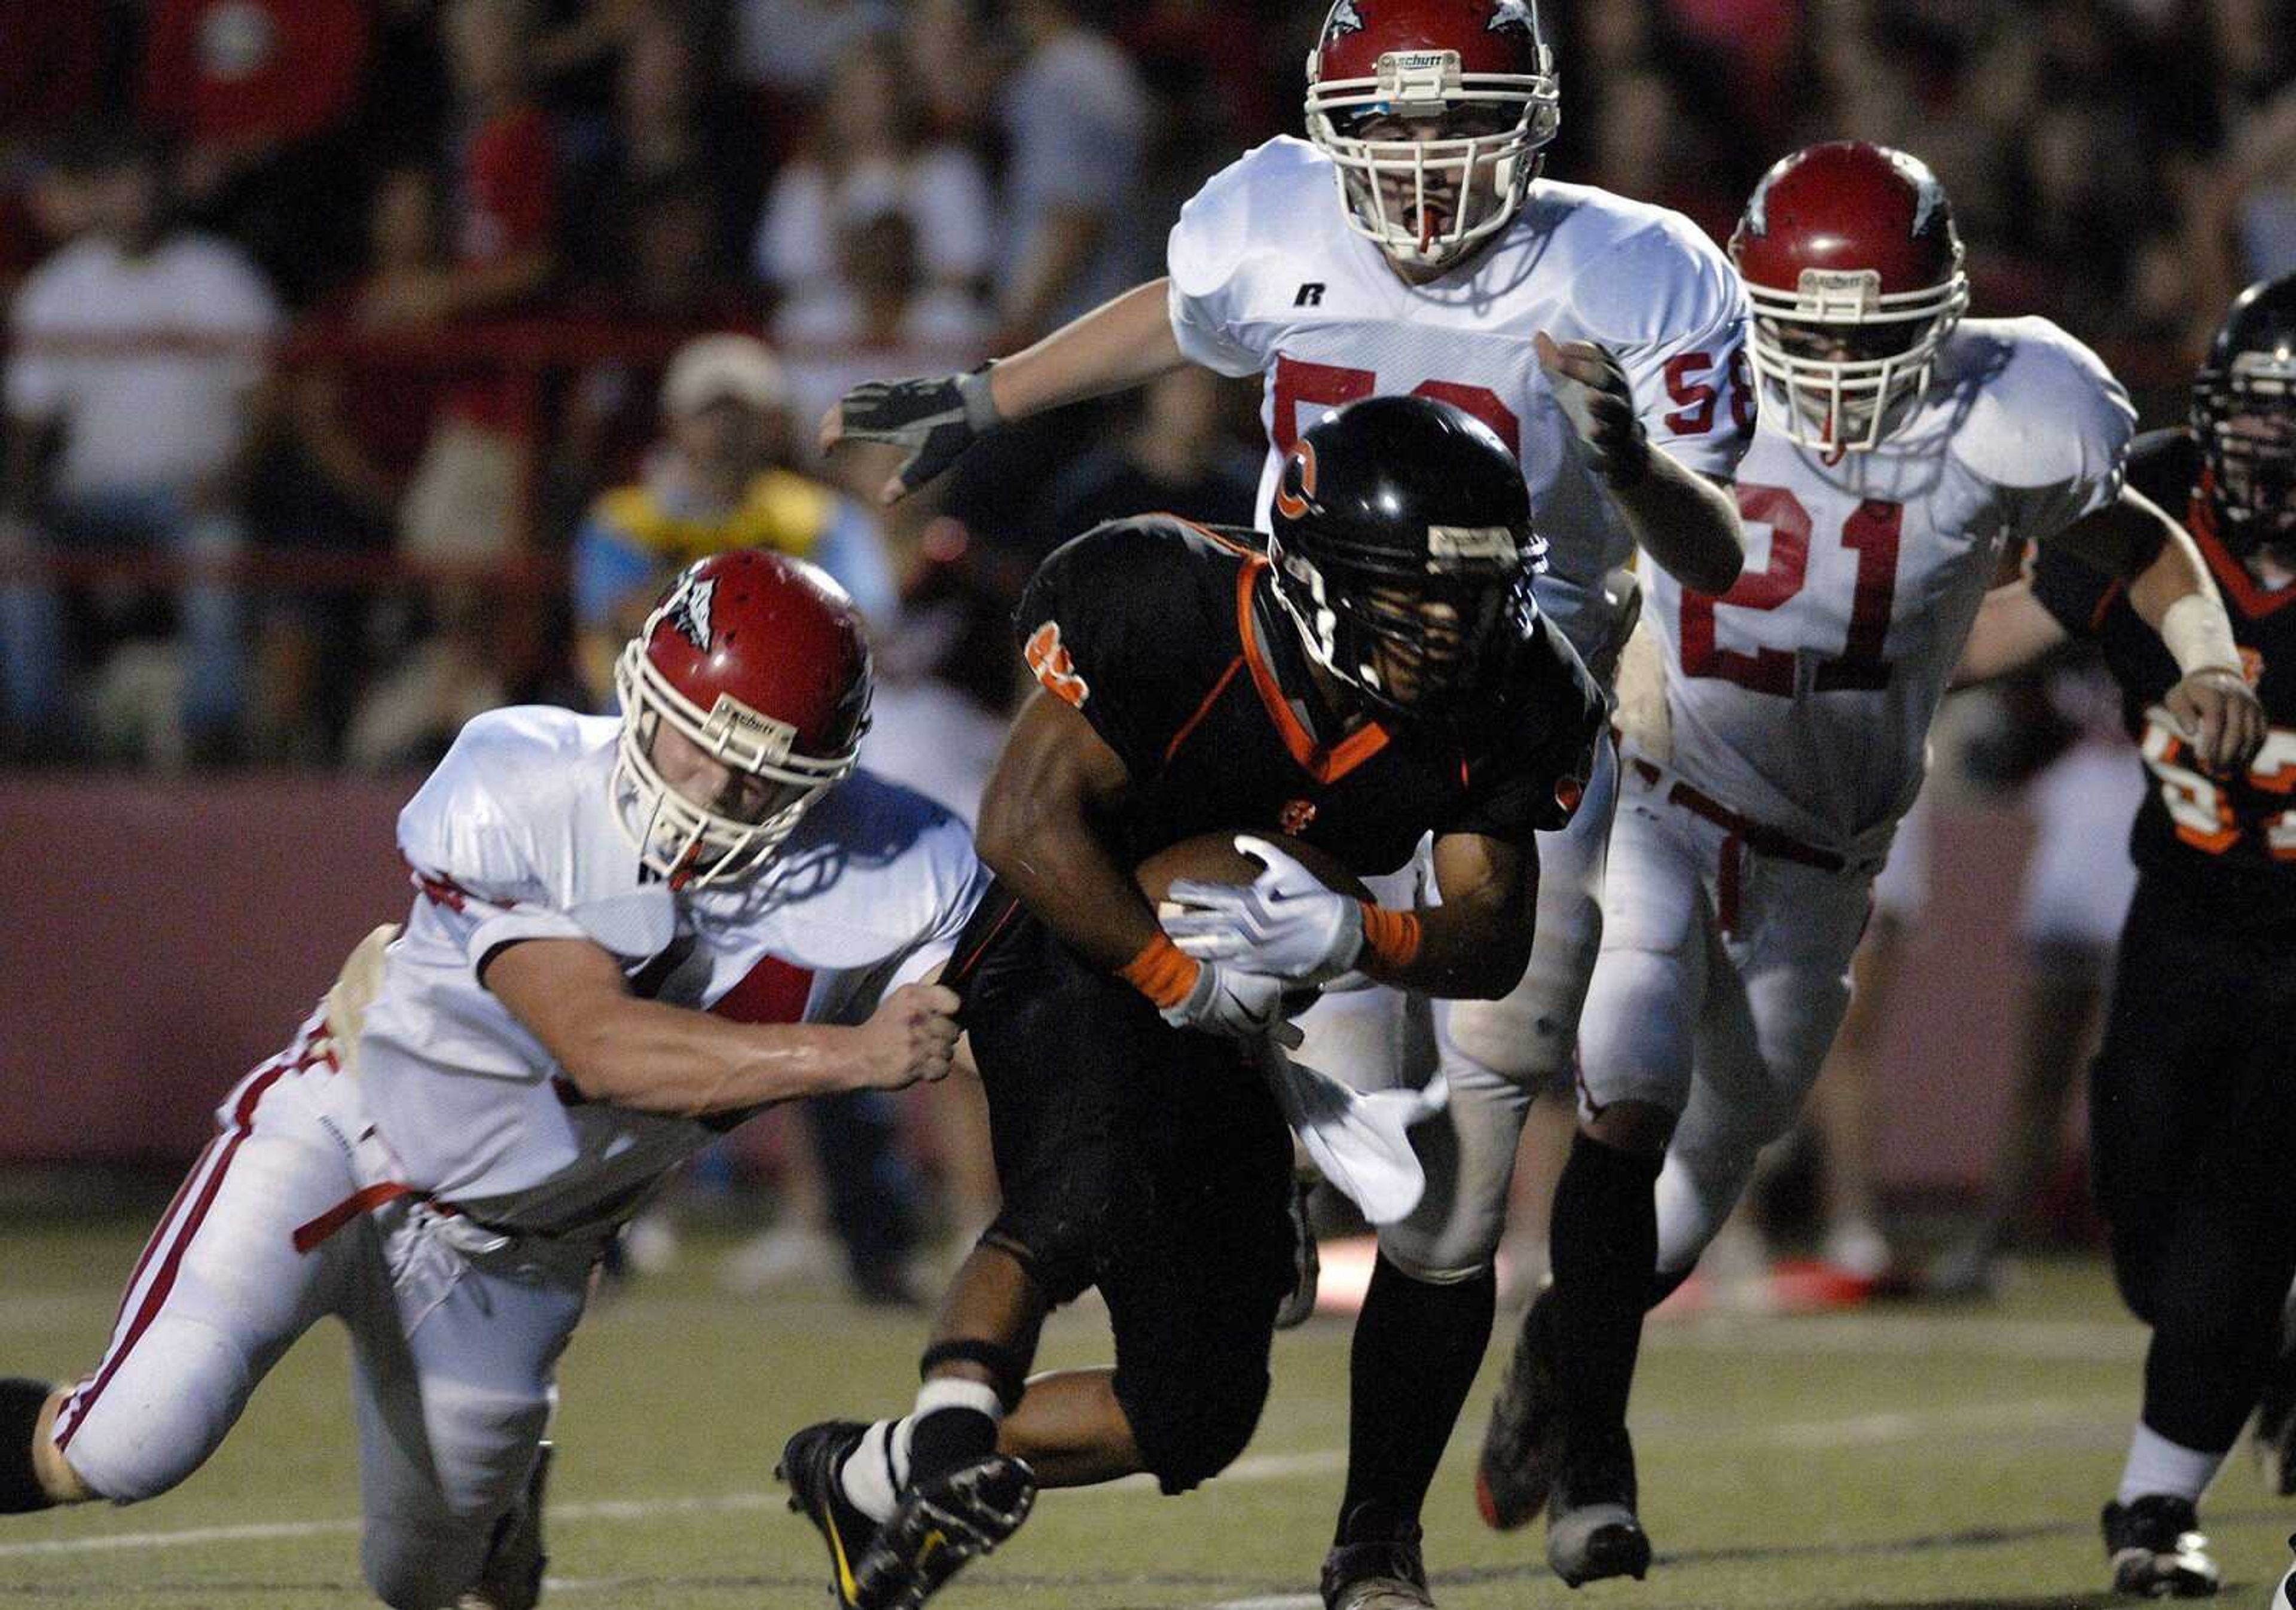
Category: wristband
<point>1391,936</point>
<point>1162,971</point>
<point>2198,635</point>
<point>979,401</point>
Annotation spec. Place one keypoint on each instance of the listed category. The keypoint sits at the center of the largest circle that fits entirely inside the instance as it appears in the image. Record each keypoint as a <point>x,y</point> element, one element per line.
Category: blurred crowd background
<point>339,327</point>
<point>371,363</point>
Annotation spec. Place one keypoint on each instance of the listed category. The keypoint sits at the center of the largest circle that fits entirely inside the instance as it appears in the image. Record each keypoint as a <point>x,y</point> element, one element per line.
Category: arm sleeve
<point>1205,257</point>
<point>1666,302</point>
<point>471,862</point>
<point>1098,626</point>
<point>2074,591</point>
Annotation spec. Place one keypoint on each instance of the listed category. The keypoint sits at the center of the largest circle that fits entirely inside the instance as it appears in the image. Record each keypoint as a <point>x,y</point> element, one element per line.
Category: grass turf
<point>1891,1457</point>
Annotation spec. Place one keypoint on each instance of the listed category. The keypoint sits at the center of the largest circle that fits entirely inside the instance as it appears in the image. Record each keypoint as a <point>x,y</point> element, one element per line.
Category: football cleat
<point>1299,1305</point>
<point>2157,1549</point>
<point>1379,1567</point>
<point>938,1525</point>
<point>810,1464</point>
<point>1524,1442</point>
<point>511,1577</point>
<point>1592,1532</point>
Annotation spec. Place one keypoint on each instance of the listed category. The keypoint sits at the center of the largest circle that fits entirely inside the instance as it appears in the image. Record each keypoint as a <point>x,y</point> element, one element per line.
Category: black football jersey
<point>1167,635</point>
<point>2227,845</point>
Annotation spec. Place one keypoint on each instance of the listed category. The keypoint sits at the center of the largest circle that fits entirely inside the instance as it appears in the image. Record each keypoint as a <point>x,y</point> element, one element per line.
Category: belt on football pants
<point>1758,837</point>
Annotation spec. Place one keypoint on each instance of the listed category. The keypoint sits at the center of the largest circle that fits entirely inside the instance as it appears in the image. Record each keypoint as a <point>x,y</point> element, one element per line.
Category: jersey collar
<point>1325,763</point>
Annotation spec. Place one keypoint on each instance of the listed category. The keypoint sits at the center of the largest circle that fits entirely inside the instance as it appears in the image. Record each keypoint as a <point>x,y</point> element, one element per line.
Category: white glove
<point>1283,922</point>
<point>1361,1143</point>
<point>1230,1001</point>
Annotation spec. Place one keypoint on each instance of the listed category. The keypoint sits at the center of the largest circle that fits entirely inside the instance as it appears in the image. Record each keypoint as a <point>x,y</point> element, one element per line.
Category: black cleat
<point>1379,1567</point>
<point>939,1525</point>
<point>809,1463</point>
<point>1299,1305</point>
<point>1592,1532</point>
<point>511,1577</point>
<point>2157,1549</point>
<point>1523,1445</point>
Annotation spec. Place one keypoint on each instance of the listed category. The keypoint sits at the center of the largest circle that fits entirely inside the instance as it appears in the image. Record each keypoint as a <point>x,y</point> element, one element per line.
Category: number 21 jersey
<point>1802,696</point>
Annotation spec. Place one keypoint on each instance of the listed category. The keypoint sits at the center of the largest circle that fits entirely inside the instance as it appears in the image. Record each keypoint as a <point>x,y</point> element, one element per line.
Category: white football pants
<point>1723,975</point>
<point>455,1333</point>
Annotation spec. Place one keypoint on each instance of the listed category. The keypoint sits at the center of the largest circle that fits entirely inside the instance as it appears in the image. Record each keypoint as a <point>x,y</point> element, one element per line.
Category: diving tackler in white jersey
<point>629,934</point>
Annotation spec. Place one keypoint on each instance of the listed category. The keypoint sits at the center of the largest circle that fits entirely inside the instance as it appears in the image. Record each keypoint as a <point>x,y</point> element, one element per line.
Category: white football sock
<point>874,1473</point>
<point>2157,1465</point>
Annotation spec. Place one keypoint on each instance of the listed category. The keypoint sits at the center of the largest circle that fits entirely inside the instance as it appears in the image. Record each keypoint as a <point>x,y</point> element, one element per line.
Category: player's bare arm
<point>2012,630</point>
<point>662,1059</point>
<point>1683,520</point>
<point>1125,342</point>
<point>2171,592</point>
<point>1037,833</point>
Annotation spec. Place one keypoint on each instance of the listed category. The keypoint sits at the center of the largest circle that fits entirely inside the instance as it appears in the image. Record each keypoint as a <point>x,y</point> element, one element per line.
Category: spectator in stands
<point>870,154</point>
<point>503,214</point>
<point>877,314</point>
<point>138,351</point>
<point>952,63</point>
<point>783,49</point>
<point>716,483</point>
<point>260,94</point>
<point>1176,452</point>
<point>1076,116</point>
<point>51,77</point>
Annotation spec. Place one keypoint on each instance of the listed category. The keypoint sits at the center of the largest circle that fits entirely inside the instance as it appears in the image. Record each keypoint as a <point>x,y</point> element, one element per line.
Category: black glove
<point>936,420</point>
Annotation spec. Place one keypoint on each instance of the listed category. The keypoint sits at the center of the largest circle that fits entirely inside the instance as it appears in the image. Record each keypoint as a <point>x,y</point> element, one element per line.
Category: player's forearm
<point>1059,868</point>
<point>1473,950</point>
<point>2012,631</point>
<point>2176,572</point>
<point>659,1058</point>
<point>1686,523</point>
<point>1120,344</point>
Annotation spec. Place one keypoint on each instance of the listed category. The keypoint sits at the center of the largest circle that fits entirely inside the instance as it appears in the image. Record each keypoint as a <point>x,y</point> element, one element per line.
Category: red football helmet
<point>1479,71</point>
<point>1852,261</point>
<point>759,660</point>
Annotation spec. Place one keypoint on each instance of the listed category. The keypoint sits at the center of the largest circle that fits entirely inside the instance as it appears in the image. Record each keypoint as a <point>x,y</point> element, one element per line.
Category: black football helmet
<point>2244,413</point>
<point>1403,551</point>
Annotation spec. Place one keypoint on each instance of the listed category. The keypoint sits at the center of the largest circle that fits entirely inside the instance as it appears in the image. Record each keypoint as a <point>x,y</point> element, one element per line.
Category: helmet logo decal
<point>1049,659</point>
<point>1343,20</point>
<point>729,717</point>
<point>1294,505</point>
<point>1472,547</point>
<point>1929,195</point>
<point>1513,13</point>
<point>688,610</point>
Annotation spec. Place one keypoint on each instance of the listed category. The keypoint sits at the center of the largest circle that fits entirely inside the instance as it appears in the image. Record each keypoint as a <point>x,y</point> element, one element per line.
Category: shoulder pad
<point>2046,413</point>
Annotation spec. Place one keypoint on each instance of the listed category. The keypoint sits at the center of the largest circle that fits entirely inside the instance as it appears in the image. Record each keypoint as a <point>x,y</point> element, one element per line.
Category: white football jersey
<point>1802,696</point>
<point>514,838</point>
<point>1267,278</point>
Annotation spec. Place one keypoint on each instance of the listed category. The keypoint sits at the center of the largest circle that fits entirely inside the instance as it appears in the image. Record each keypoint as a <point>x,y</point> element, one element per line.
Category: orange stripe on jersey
<point>1241,549</point>
<point>1203,709</point>
<point>2104,605</point>
<point>2231,574</point>
<point>1324,764</point>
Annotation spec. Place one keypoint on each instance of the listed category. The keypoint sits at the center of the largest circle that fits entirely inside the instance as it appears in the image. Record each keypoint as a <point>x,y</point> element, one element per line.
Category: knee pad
<point>1189,1421</point>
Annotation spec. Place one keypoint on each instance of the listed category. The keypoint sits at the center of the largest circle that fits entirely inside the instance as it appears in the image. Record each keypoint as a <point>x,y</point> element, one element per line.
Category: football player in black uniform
<point>1372,671</point>
<point>2193,1096</point>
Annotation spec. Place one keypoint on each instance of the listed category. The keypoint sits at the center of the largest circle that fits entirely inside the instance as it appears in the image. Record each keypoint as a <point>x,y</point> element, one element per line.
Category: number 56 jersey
<point>1802,696</point>
<point>1267,279</point>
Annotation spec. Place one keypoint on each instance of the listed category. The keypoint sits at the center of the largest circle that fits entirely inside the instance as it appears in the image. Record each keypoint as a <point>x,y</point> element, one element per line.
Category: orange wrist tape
<point>1162,971</point>
<point>1392,936</point>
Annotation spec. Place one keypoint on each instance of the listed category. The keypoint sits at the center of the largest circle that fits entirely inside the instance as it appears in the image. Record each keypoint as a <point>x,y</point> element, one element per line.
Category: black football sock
<point>21,1403</point>
<point>1417,1346</point>
<point>1603,1248</point>
<point>956,1425</point>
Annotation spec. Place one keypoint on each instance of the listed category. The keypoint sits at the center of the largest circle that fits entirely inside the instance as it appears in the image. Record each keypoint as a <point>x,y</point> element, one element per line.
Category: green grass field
<point>1891,1457</point>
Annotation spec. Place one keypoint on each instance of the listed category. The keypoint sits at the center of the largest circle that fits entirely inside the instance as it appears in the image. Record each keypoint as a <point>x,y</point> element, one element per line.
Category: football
<point>1213,858</point>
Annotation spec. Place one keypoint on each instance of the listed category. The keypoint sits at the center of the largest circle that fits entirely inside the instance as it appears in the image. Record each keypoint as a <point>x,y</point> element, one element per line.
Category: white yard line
<point>1856,1431</point>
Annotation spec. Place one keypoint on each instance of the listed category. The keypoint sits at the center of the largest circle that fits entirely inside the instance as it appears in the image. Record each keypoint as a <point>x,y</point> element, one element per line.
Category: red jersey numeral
<point>1872,533</point>
<point>1334,385</point>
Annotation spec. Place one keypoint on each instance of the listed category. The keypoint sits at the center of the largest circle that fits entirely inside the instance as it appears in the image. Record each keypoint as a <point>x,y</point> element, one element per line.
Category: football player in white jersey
<point>1409,245</point>
<point>1901,449</point>
<point>629,933</point>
